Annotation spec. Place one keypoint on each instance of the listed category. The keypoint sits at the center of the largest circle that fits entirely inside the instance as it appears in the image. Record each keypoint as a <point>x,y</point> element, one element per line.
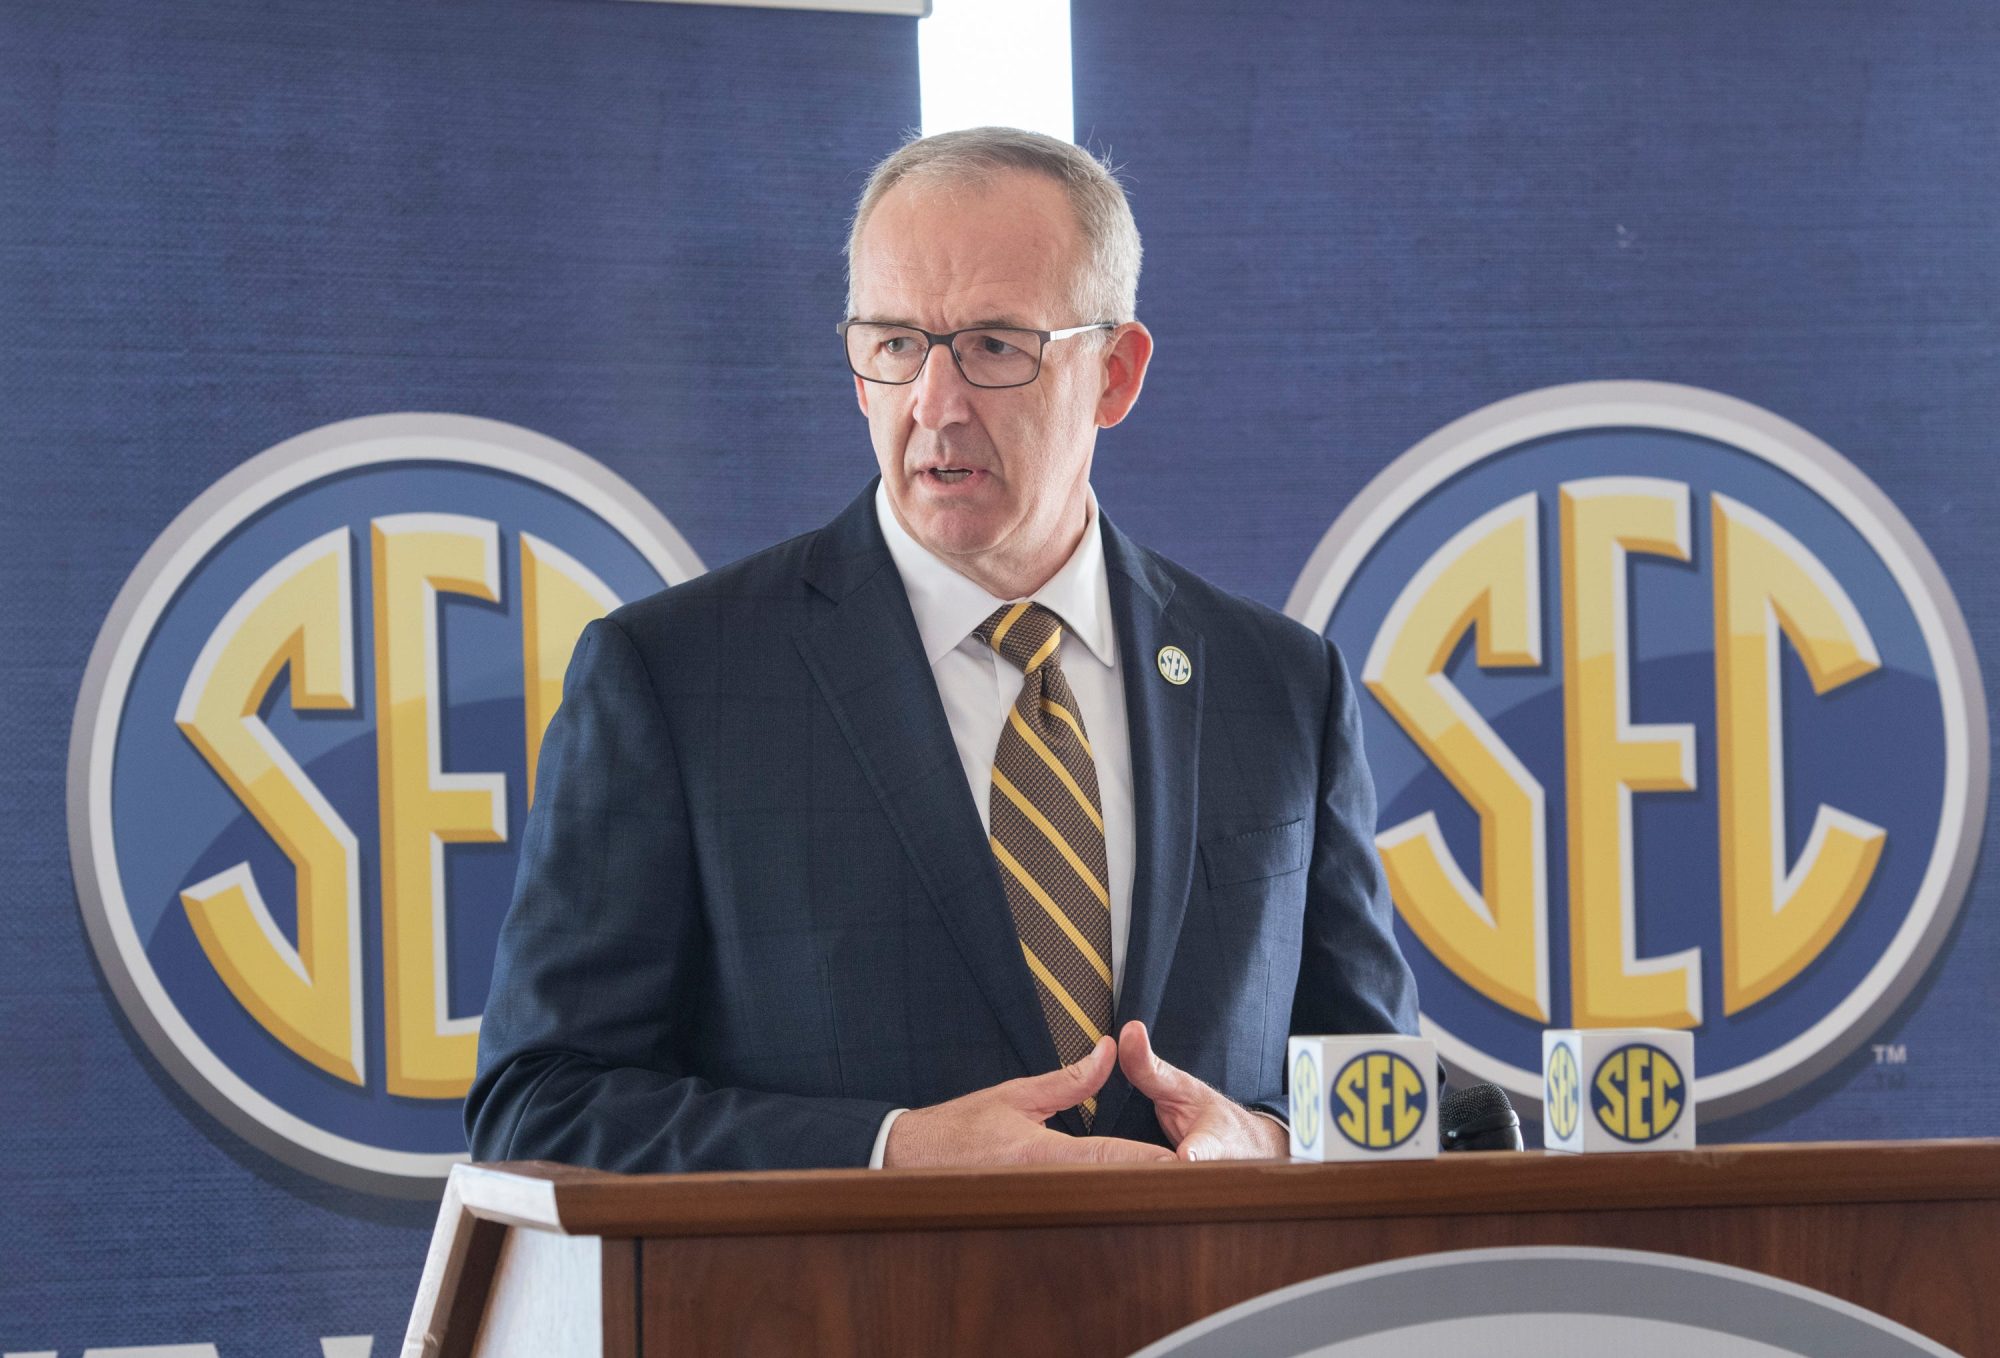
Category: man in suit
<point>962,830</point>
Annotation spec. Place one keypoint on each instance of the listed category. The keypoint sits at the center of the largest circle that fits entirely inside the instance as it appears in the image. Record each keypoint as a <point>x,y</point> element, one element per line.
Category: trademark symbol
<point>1891,1054</point>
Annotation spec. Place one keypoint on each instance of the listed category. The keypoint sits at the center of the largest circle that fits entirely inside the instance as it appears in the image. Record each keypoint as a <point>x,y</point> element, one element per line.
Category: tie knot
<point>1026,634</point>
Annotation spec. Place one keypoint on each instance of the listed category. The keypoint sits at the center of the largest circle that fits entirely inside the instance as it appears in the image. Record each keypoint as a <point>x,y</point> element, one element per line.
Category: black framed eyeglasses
<point>986,355</point>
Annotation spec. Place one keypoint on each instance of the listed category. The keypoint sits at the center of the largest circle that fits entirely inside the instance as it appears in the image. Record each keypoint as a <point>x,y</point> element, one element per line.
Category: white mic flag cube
<point>1617,1089</point>
<point>1371,1097</point>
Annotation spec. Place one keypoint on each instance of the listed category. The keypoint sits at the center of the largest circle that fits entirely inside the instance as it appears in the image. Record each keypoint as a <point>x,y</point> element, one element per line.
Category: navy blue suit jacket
<point>756,910</point>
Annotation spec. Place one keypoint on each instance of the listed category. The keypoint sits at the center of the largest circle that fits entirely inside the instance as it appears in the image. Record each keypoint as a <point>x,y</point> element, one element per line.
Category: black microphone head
<point>1478,1119</point>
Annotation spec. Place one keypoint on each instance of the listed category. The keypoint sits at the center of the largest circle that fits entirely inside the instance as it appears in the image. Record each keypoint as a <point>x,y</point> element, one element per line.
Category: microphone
<point>1478,1119</point>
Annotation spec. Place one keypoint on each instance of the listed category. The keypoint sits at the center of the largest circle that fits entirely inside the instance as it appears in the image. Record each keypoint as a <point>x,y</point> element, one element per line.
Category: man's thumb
<point>1071,1084</point>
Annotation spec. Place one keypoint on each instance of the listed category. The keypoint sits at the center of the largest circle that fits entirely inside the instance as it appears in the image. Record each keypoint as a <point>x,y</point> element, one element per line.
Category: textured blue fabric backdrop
<point>225,224</point>
<point>1363,221</point>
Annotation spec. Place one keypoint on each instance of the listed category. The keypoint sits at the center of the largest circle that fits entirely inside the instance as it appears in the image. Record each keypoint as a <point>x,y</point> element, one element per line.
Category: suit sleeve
<point>588,1048</point>
<point>1352,976</point>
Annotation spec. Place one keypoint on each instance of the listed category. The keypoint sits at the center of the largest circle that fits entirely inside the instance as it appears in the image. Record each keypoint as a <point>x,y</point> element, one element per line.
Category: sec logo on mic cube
<point>1617,1089</point>
<point>1367,1097</point>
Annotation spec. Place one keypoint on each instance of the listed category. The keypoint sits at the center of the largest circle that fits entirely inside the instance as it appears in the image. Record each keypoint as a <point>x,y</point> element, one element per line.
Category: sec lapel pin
<point>1175,667</point>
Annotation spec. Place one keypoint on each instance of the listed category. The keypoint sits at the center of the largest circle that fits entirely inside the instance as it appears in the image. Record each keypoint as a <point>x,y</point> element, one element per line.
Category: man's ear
<point>861,395</point>
<point>1125,363</point>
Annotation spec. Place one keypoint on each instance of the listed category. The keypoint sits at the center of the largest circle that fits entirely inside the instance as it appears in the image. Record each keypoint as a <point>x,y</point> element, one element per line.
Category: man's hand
<point>1203,1123</point>
<point>1003,1125</point>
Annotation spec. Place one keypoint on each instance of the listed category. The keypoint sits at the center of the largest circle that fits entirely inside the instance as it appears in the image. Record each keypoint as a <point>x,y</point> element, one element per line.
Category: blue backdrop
<point>1364,221</point>
<point>225,224</point>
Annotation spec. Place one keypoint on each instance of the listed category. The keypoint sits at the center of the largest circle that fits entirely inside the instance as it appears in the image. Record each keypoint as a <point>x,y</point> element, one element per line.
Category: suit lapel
<point>1165,722</point>
<point>868,660</point>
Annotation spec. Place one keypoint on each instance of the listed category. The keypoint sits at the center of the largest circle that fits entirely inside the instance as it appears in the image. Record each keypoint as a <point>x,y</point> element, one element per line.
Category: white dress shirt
<point>978,686</point>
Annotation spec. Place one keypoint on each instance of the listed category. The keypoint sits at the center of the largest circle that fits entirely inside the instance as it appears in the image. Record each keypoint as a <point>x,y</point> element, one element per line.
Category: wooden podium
<point>550,1261</point>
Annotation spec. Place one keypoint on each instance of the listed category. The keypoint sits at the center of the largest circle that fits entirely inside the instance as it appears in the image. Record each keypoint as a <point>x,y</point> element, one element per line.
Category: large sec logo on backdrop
<point>1674,723</point>
<point>301,757</point>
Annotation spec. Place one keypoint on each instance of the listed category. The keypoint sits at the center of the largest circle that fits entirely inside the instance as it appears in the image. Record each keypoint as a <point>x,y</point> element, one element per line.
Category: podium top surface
<point>589,1202</point>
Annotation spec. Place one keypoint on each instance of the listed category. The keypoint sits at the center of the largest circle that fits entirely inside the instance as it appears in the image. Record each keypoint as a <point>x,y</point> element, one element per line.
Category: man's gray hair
<point>1107,286</point>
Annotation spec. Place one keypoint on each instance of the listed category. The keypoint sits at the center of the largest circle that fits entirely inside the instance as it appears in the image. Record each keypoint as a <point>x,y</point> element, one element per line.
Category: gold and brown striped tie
<point>1048,835</point>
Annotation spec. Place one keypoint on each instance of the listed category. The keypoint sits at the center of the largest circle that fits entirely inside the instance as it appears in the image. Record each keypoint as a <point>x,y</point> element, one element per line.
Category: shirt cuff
<point>882,1138</point>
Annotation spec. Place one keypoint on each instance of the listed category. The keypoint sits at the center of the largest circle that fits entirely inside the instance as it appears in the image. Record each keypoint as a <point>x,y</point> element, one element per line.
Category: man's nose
<point>941,391</point>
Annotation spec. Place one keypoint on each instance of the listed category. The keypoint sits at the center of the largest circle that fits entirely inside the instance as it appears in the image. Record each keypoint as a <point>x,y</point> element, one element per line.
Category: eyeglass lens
<point>993,357</point>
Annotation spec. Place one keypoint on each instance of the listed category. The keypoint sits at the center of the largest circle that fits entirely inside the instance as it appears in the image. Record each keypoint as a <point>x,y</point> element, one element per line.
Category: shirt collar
<point>949,607</point>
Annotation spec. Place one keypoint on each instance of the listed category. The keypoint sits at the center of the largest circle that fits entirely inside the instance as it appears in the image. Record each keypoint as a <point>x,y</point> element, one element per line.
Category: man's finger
<point>1043,1095</point>
<point>1098,1150</point>
<point>1201,1146</point>
<point>1150,1075</point>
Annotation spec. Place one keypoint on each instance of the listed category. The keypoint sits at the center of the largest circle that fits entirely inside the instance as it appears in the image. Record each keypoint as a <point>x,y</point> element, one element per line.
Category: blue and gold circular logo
<point>1560,1096</point>
<point>301,758</point>
<point>1638,1093</point>
<point>1674,723</point>
<point>1381,1099</point>
<point>1306,1098</point>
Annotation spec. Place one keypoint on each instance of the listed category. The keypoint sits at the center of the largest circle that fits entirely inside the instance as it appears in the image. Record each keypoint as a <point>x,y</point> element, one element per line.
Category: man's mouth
<point>951,476</point>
